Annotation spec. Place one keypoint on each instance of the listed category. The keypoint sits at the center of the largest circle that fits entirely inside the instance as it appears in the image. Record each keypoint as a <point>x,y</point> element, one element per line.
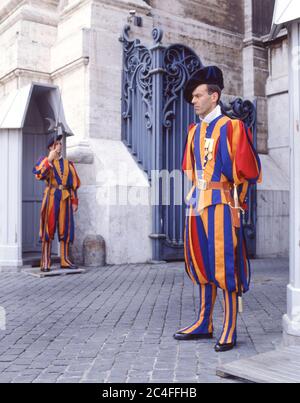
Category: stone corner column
<point>256,72</point>
<point>291,320</point>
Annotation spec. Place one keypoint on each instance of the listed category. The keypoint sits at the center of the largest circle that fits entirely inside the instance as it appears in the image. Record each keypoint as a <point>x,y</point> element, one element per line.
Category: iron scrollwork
<point>180,63</point>
<point>242,110</point>
<point>157,35</point>
<point>136,75</point>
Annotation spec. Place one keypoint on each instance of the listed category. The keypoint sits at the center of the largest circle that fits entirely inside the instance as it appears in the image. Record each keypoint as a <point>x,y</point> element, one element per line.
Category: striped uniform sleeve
<point>42,168</point>
<point>246,166</point>
<point>188,160</point>
<point>75,184</point>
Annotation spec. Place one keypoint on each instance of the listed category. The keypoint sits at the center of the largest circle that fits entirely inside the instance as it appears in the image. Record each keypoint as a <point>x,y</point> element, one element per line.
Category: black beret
<point>207,75</point>
<point>52,138</point>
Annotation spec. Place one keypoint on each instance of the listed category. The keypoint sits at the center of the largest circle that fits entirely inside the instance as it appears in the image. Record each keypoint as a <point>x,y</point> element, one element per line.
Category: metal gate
<point>155,120</point>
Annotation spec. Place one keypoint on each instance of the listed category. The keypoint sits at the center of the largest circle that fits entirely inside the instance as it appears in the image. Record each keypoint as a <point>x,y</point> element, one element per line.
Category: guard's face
<point>58,146</point>
<point>202,101</point>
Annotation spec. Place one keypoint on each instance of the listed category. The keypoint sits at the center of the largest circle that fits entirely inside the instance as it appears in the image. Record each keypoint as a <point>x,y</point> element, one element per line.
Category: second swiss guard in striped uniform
<point>60,201</point>
<point>221,162</point>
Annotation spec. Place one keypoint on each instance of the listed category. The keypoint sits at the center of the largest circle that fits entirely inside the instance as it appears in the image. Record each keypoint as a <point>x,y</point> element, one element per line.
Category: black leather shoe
<point>189,336</point>
<point>45,269</point>
<point>219,348</point>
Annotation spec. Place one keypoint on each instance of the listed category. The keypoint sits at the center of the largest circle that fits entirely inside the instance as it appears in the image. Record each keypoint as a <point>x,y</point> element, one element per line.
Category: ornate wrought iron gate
<point>155,121</point>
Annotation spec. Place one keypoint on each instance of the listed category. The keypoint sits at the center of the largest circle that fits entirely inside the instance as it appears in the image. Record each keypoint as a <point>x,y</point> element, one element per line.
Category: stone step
<point>56,271</point>
<point>279,366</point>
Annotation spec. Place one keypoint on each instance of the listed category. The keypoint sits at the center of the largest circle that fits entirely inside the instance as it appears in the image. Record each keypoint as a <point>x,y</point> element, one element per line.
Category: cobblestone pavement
<point>115,324</point>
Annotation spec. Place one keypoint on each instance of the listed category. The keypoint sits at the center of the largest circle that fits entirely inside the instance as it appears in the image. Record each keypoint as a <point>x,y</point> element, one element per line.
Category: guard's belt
<point>204,185</point>
<point>60,187</point>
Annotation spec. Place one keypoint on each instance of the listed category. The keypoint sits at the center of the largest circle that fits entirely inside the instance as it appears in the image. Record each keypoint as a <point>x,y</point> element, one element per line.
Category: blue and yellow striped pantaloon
<point>204,322</point>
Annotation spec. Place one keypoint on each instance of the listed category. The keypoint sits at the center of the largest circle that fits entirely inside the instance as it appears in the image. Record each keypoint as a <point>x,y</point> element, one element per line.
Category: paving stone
<point>8,377</point>
<point>117,325</point>
<point>69,380</point>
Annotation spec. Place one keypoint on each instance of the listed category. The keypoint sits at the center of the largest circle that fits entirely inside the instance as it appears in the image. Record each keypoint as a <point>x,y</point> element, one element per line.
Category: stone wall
<point>272,211</point>
<point>273,194</point>
<point>27,33</point>
<point>220,14</point>
<point>277,91</point>
<point>218,43</point>
<point>256,72</point>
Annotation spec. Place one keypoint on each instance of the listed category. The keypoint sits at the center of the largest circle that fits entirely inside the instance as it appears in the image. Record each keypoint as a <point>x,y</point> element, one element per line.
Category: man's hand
<point>75,208</point>
<point>53,155</point>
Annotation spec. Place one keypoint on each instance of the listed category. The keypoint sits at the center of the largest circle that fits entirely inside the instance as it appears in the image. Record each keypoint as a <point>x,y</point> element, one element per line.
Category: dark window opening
<point>262,15</point>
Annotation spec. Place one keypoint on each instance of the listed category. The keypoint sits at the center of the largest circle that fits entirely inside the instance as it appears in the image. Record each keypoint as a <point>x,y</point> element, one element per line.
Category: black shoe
<point>45,269</point>
<point>219,348</point>
<point>189,336</point>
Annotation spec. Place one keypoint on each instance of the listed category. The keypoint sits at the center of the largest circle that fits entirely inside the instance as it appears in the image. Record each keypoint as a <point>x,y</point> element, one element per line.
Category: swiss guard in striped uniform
<point>60,201</point>
<point>221,162</point>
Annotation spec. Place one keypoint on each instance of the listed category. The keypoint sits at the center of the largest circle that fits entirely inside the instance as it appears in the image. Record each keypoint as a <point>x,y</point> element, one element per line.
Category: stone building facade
<point>74,45</point>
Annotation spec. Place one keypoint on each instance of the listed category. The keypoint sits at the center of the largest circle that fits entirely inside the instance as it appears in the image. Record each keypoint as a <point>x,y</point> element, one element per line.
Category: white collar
<point>215,113</point>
